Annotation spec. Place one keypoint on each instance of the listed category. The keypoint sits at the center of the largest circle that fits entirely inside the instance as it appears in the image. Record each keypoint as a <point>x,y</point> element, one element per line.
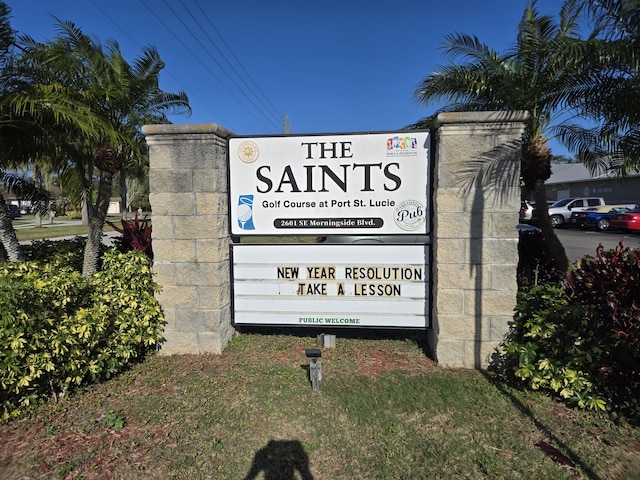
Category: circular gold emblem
<point>248,151</point>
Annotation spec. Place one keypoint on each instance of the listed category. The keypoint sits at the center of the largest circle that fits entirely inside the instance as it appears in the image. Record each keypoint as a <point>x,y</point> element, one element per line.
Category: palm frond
<point>24,188</point>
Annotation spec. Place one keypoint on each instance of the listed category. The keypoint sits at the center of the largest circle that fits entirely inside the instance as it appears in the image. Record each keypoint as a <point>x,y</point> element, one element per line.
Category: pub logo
<point>409,215</point>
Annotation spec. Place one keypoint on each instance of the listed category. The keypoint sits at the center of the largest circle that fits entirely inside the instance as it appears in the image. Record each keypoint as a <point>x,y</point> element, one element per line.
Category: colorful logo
<point>402,145</point>
<point>409,215</point>
<point>248,151</point>
<point>245,212</point>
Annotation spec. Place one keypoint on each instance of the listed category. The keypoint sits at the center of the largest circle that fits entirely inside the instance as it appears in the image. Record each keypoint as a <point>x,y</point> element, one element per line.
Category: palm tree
<point>45,113</point>
<point>27,190</point>
<point>7,233</point>
<point>532,76</point>
<point>13,137</point>
<point>608,91</point>
<point>124,96</point>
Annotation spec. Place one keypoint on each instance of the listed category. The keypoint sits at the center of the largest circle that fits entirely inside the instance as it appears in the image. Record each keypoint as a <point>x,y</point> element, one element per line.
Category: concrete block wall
<point>476,199</point>
<point>188,196</point>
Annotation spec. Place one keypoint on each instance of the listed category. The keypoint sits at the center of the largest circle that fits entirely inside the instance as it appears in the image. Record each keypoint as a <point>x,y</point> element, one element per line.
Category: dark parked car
<point>12,210</point>
<point>525,227</point>
<point>578,219</point>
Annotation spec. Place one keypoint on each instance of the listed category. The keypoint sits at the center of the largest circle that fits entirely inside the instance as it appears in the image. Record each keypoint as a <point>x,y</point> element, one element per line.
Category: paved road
<point>579,243</point>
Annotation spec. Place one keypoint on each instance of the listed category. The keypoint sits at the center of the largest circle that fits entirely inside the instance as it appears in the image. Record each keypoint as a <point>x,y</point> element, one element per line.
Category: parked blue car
<point>597,217</point>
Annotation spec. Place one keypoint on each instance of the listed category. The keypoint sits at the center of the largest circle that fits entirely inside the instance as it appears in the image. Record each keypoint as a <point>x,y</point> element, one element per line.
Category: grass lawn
<point>51,231</point>
<point>384,411</point>
<point>57,229</point>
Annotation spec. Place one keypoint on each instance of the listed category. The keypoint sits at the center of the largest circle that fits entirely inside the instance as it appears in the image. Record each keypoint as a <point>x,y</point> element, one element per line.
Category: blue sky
<point>330,66</point>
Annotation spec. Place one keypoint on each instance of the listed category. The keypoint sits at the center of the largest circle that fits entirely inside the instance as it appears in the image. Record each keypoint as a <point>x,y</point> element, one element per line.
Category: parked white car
<point>526,212</point>
<point>560,211</point>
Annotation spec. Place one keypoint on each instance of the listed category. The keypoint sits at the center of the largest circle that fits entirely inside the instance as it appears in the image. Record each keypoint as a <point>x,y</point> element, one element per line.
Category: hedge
<point>59,331</point>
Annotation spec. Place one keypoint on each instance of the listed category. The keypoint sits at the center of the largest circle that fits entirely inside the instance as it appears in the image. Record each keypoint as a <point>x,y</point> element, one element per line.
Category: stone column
<point>188,196</point>
<point>476,201</point>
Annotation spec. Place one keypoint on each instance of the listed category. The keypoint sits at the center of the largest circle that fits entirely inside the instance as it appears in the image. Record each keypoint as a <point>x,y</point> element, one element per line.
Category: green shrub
<point>39,302</point>
<point>123,295</point>
<point>550,346</point>
<point>59,331</point>
<point>68,252</point>
<point>580,339</point>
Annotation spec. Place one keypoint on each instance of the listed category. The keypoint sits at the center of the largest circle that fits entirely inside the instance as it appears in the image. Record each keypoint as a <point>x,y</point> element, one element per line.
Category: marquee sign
<point>331,285</point>
<point>371,183</point>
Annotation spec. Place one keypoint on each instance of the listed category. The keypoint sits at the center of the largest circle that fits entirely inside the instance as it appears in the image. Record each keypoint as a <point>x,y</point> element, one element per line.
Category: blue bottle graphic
<point>245,212</point>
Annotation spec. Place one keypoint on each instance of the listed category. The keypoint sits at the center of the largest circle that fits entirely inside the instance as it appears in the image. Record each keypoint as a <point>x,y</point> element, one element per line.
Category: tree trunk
<point>87,207</point>
<point>96,224</point>
<point>39,183</point>
<point>556,249</point>
<point>8,236</point>
<point>123,194</point>
<point>87,200</point>
<point>536,169</point>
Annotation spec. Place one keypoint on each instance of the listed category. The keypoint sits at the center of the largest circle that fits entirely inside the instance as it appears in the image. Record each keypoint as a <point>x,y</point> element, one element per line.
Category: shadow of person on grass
<point>280,460</point>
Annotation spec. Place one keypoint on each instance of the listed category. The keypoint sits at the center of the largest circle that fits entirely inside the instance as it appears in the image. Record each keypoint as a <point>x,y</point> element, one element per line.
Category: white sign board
<point>375,183</point>
<point>331,285</point>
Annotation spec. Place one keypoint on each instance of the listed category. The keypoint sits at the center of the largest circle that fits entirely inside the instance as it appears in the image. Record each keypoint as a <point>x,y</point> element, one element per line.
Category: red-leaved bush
<point>580,338</point>
<point>607,288</point>
<point>136,235</point>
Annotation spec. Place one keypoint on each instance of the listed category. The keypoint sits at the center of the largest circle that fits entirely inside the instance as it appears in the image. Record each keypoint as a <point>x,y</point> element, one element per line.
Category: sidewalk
<point>22,222</point>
